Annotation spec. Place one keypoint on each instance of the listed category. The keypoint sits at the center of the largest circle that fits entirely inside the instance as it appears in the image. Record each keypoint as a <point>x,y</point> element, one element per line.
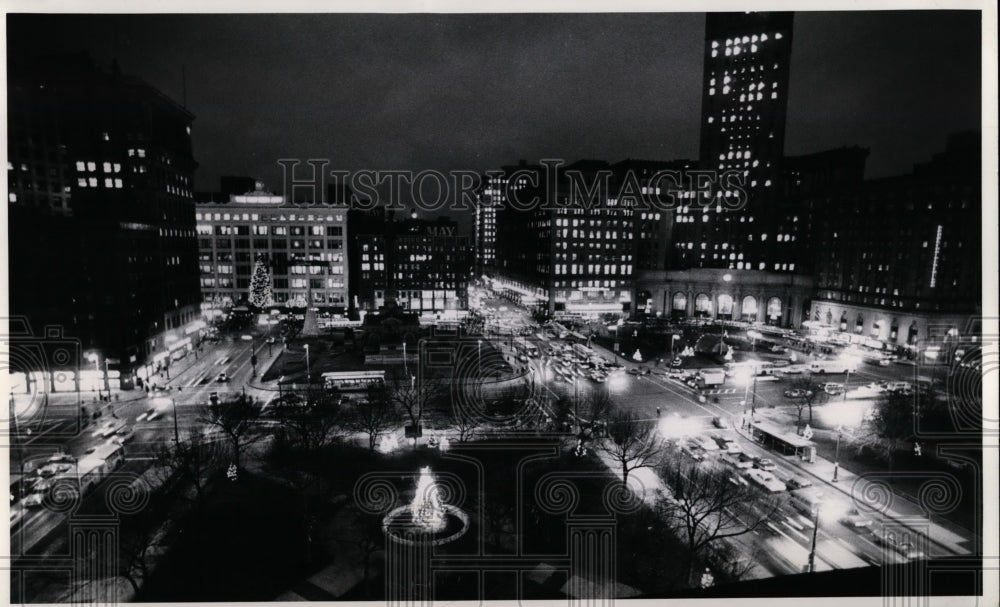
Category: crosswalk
<point>718,391</point>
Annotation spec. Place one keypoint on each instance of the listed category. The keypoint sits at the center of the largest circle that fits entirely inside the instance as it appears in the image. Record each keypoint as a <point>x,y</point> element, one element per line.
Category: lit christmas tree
<point>260,286</point>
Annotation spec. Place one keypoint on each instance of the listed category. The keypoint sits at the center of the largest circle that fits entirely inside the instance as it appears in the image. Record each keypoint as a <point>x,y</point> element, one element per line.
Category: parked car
<point>676,362</point>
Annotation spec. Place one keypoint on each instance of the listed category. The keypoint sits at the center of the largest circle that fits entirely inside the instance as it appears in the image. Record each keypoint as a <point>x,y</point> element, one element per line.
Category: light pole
<point>812,552</point>
<point>836,457</point>
<point>94,358</point>
<point>177,435</point>
<point>308,373</point>
<point>406,369</point>
<point>479,351</point>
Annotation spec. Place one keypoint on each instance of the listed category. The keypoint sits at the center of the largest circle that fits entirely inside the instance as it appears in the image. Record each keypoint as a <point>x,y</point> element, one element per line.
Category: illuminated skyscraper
<point>744,104</point>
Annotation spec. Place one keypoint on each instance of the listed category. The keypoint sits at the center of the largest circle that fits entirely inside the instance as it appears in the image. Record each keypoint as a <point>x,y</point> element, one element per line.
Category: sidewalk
<point>903,511</point>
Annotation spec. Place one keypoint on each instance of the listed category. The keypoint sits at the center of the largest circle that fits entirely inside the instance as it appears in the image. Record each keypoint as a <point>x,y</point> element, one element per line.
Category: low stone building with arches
<point>735,295</point>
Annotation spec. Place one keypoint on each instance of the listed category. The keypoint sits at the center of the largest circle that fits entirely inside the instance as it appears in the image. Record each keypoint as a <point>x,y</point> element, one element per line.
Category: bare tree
<point>374,416</point>
<point>238,420</point>
<point>707,506</point>
<point>631,442</point>
<point>596,411</point>
<point>314,419</point>
<point>414,395</point>
<point>812,394</point>
<point>193,459</point>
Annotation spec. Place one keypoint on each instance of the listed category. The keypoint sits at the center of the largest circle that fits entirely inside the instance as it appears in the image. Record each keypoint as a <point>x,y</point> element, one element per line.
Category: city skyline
<point>489,89</point>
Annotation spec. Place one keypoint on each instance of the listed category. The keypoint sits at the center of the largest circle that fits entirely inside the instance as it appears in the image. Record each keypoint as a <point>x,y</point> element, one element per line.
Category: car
<point>634,371</point>
<point>779,349</point>
<point>719,422</point>
<point>62,458</point>
<point>33,501</point>
<point>222,378</point>
<point>903,548</point>
<point>797,393</point>
<point>738,461</point>
<point>153,414</point>
<point>792,370</point>
<point>145,415</point>
<point>855,519</point>
<point>676,363</point>
<point>89,450</point>
<point>832,388</point>
<point>124,435</point>
<point>694,453</point>
<point>797,482</point>
<point>105,427</point>
<point>764,463</point>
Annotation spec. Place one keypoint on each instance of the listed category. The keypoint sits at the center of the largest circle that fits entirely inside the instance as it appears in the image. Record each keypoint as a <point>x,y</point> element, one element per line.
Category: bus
<point>583,351</point>
<point>832,366</point>
<point>348,381</point>
<point>97,466</point>
<point>526,346</point>
<point>806,501</point>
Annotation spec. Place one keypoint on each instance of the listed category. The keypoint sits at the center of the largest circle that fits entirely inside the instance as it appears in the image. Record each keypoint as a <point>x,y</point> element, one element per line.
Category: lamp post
<point>836,456</point>
<point>177,435</point>
<point>812,551</point>
<point>94,358</point>
<point>479,352</point>
<point>308,373</point>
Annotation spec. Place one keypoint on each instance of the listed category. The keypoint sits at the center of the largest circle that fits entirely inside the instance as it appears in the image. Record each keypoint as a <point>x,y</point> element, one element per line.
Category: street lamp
<point>308,373</point>
<point>479,351</point>
<point>836,457</point>
<point>754,336</point>
<point>177,435</point>
<point>812,552</point>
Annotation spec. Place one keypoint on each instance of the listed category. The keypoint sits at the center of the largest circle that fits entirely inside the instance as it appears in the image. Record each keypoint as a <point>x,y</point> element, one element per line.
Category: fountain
<point>427,520</point>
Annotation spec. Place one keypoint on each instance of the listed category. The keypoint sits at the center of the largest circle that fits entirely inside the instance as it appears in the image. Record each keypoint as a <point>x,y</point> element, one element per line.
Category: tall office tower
<point>744,103</point>
<point>101,208</point>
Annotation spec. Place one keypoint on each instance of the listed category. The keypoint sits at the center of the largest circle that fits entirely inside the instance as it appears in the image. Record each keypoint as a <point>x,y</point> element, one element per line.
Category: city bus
<point>806,501</point>
<point>347,381</point>
<point>97,466</point>
<point>526,346</point>
<point>832,366</point>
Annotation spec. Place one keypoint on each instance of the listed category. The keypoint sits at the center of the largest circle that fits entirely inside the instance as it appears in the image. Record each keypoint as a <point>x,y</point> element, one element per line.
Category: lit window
<point>91,166</point>
<point>107,167</point>
<point>81,166</point>
<point>81,182</point>
<point>109,183</point>
<point>118,183</point>
<point>92,182</point>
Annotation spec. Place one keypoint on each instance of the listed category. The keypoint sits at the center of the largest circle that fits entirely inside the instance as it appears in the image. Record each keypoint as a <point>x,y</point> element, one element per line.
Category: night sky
<point>479,91</point>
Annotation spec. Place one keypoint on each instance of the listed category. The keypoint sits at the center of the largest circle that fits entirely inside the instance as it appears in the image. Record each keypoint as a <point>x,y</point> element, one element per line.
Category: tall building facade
<point>101,208</point>
<point>303,247</point>
<point>907,286</point>
<point>744,105</point>
<point>735,245</point>
<point>571,254</point>
<point>419,265</point>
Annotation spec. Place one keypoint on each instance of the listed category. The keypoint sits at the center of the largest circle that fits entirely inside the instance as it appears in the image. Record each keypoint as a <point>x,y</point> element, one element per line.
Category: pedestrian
<point>657,412</point>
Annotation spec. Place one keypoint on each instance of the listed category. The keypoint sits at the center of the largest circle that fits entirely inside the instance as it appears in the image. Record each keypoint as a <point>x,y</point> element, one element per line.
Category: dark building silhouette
<point>100,206</point>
